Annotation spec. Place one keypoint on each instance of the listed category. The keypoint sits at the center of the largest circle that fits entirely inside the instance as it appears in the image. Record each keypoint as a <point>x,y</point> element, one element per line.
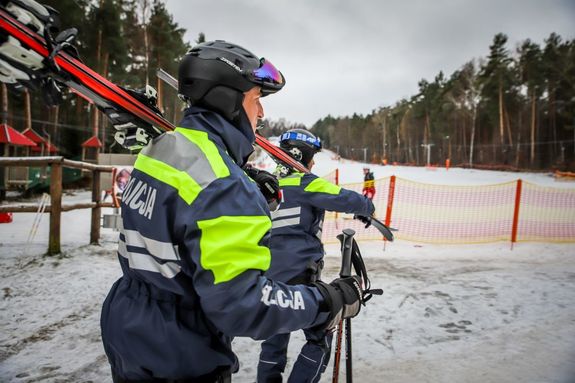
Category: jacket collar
<point>236,140</point>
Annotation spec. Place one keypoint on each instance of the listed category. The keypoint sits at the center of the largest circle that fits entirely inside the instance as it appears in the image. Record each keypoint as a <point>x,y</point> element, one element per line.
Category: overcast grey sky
<point>341,57</point>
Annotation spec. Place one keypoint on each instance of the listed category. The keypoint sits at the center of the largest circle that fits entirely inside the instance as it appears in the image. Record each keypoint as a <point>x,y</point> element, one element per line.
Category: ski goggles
<point>267,76</point>
<point>295,136</point>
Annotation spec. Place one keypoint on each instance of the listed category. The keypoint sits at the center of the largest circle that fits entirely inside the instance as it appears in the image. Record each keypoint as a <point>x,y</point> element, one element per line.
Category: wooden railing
<point>56,207</point>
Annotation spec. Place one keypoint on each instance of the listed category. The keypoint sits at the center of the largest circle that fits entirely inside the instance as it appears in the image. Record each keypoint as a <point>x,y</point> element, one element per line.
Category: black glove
<point>268,184</point>
<point>364,219</point>
<point>342,299</point>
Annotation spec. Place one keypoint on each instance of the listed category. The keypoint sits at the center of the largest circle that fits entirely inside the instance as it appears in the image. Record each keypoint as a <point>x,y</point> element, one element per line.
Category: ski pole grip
<point>346,239</point>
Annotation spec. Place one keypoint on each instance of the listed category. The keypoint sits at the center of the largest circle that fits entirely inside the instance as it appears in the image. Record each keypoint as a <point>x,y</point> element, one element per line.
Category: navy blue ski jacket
<point>296,226</point>
<point>193,250</point>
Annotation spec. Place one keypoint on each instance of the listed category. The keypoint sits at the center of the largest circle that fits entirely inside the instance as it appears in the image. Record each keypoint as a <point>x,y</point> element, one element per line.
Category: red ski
<point>67,69</point>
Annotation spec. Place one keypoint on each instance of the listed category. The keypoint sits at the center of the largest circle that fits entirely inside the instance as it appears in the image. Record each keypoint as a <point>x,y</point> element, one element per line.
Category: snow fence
<point>513,211</point>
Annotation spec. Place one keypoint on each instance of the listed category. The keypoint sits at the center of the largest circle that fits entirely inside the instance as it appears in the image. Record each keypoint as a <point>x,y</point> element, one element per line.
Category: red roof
<point>10,136</point>
<point>31,134</point>
<point>41,142</point>
<point>48,148</point>
<point>92,142</point>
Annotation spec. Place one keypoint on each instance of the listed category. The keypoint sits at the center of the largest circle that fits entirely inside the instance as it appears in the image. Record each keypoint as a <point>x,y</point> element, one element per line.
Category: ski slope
<point>474,313</point>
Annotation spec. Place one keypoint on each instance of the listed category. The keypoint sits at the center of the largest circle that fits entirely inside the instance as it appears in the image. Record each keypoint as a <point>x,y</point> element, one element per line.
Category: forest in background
<point>512,109</point>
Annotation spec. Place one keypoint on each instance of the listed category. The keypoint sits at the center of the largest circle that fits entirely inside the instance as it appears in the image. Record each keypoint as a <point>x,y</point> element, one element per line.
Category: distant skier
<point>194,243</point>
<point>297,251</point>
<point>368,184</point>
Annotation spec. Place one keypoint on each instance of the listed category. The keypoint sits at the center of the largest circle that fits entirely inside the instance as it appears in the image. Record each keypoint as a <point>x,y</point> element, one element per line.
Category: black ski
<point>60,66</point>
<point>386,231</point>
<point>383,229</point>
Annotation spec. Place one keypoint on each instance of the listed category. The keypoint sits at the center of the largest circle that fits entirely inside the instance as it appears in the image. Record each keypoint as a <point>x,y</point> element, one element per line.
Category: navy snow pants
<point>310,364</point>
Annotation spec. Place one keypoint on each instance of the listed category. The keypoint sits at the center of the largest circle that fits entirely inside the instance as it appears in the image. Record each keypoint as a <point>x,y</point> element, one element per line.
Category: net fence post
<point>337,183</point>
<point>390,196</point>
<point>516,212</point>
<point>55,207</point>
<point>96,210</point>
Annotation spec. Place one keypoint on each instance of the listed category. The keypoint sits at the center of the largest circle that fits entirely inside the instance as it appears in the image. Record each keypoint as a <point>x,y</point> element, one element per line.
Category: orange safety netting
<point>514,211</point>
<point>546,214</point>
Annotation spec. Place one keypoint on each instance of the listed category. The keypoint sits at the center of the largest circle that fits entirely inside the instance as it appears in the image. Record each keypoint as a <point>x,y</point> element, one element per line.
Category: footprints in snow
<point>456,328</point>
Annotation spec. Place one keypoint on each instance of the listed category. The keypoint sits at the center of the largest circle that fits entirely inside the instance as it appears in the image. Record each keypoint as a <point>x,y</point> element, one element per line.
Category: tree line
<point>513,109</point>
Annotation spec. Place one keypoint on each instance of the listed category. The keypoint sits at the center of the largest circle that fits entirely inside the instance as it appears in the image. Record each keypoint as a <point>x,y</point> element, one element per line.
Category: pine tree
<point>166,49</point>
<point>531,69</point>
<point>496,78</point>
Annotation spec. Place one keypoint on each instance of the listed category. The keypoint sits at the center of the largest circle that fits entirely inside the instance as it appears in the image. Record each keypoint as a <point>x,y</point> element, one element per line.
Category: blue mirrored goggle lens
<point>268,72</point>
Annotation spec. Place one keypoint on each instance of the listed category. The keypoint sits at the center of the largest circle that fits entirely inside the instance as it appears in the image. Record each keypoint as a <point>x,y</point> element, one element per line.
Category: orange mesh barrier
<point>464,214</point>
<point>546,214</point>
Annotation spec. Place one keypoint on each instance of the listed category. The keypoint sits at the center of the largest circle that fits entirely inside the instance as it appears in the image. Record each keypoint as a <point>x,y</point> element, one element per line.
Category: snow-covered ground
<point>472,313</point>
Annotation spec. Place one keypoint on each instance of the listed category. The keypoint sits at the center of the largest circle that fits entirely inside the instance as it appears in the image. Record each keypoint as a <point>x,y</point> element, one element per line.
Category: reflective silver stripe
<point>122,249</point>
<point>319,229</point>
<point>162,250</point>
<point>146,262</point>
<point>292,214</point>
<point>285,222</point>
<point>179,152</point>
<point>285,212</point>
<point>268,362</point>
<point>310,359</point>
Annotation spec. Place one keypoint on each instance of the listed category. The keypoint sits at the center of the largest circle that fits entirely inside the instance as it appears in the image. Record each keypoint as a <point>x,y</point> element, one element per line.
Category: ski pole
<point>346,239</point>
<point>348,355</point>
<point>38,217</point>
<point>337,355</point>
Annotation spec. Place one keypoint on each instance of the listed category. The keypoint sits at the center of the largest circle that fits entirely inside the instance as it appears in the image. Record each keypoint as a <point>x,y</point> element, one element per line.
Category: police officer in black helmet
<point>194,243</point>
<point>297,252</point>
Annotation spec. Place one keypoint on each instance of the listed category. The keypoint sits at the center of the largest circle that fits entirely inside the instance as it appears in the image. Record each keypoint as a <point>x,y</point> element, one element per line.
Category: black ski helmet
<point>215,74</point>
<point>300,144</point>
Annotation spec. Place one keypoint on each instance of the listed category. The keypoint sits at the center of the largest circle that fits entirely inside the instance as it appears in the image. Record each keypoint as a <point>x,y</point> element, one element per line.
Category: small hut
<point>43,147</point>
<point>14,144</point>
<point>90,149</point>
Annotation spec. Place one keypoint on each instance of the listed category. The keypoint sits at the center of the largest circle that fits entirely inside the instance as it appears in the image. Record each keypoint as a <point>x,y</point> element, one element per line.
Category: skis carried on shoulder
<point>31,57</point>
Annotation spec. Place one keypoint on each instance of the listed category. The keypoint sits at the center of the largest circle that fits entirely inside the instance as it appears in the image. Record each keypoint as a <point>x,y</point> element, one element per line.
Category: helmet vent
<point>296,154</point>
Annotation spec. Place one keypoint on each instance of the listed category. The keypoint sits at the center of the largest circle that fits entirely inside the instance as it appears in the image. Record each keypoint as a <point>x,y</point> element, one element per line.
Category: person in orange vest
<point>368,184</point>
